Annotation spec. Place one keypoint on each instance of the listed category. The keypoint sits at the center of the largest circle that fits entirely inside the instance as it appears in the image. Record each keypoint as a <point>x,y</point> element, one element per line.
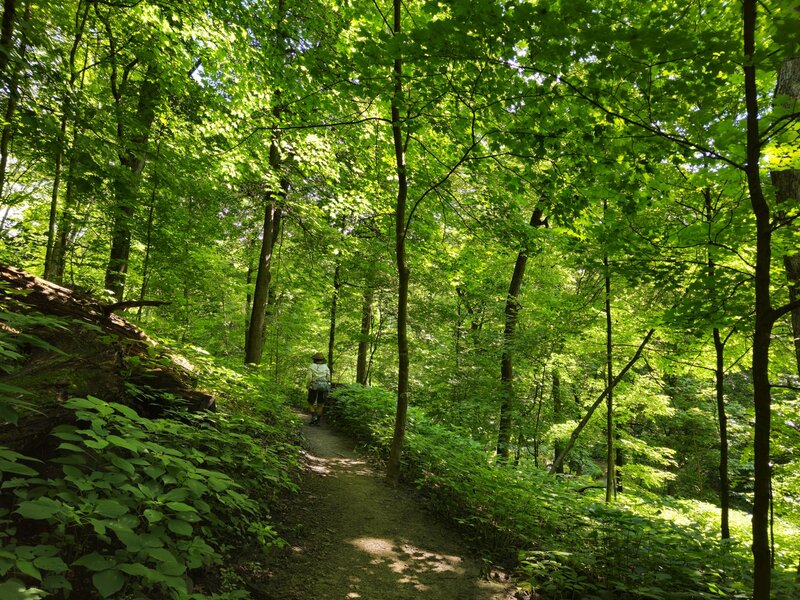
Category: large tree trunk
<point>12,85</point>
<point>507,359</point>
<point>7,35</point>
<point>393,465</point>
<point>787,188</point>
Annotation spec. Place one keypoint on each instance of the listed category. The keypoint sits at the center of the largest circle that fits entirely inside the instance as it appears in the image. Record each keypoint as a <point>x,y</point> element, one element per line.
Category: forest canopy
<point>565,230</point>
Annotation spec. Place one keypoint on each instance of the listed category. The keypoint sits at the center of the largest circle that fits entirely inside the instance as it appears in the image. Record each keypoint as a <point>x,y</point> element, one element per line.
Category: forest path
<point>351,536</point>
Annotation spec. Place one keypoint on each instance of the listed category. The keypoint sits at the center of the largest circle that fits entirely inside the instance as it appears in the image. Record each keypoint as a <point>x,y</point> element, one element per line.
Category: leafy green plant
<point>136,506</point>
<point>569,544</point>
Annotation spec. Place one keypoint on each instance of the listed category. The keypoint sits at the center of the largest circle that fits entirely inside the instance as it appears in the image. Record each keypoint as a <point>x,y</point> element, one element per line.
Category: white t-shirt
<point>318,371</point>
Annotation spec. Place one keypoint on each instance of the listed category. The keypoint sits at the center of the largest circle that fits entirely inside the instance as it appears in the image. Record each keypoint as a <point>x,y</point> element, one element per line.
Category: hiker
<point>319,383</point>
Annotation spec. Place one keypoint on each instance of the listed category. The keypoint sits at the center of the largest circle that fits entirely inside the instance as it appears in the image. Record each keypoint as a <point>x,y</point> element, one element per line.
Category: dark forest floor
<point>351,536</point>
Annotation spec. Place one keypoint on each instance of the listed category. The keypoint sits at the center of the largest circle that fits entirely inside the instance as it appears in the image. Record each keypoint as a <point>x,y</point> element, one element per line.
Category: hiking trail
<point>351,536</point>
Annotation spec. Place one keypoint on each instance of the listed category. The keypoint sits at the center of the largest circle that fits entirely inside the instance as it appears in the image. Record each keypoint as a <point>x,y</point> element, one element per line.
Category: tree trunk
<point>787,188</point>
<point>393,465</point>
<point>719,381</point>
<point>764,318</point>
<point>51,268</point>
<point>574,435</point>
<point>363,340</point>
<point>507,360</point>
<point>255,340</point>
<point>558,447</point>
<point>7,35</point>
<point>132,140</point>
<point>334,301</point>
<point>12,83</point>
<point>611,461</point>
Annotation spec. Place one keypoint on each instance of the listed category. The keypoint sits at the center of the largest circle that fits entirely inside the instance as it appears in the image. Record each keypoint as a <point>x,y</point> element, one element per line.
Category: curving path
<point>351,536</point>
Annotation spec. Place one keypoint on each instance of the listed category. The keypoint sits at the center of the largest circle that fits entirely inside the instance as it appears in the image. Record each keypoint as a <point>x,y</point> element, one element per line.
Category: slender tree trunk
<point>577,431</point>
<point>50,268</point>
<point>403,274</point>
<point>507,359</point>
<point>148,241</point>
<point>611,461</point>
<point>557,416</point>
<point>787,188</point>
<point>719,381</point>
<point>764,319</point>
<point>255,340</point>
<point>334,301</point>
<point>248,300</point>
<point>363,340</point>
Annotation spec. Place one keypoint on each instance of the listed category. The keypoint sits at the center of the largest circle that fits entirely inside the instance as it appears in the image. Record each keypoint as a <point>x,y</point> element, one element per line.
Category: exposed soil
<point>351,536</point>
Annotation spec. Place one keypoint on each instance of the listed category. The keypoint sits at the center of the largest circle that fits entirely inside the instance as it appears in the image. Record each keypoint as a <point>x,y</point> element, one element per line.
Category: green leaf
<point>123,443</point>
<point>16,468</point>
<point>110,508</point>
<point>29,569</point>
<point>181,507</point>
<point>153,516</point>
<point>177,494</point>
<point>108,582</point>
<point>93,562</point>
<point>51,563</point>
<point>41,508</point>
<point>180,527</point>
<point>122,464</point>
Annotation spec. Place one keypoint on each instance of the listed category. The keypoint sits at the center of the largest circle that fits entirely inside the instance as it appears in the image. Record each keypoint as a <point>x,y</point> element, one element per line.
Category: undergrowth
<point>125,506</point>
<point>568,545</point>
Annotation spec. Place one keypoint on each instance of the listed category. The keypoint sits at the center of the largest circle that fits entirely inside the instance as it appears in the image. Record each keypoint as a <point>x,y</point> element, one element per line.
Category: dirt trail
<point>351,536</point>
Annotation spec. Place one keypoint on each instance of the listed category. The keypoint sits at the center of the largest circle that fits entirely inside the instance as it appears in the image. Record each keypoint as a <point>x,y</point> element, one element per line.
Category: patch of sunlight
<point>408,561</point>
<point>329,465</point>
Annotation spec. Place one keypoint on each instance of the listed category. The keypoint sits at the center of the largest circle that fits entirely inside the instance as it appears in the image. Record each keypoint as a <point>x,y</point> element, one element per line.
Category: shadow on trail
<point>353,537</point>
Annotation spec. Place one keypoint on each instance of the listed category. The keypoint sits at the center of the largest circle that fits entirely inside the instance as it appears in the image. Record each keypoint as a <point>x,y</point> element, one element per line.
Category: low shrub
<point>567,543</point>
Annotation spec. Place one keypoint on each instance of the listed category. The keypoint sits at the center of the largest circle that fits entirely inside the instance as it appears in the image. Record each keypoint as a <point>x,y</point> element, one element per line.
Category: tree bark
<point>7,35</point>
<point>764,318</point>
<point>507,358</point>
<point>787,188</point>
<point>13,86</point>
<point>558,447</point>
<point>574,436</point>
<point>334,301</point>
<point>403,274</point>
<point>719,381</point>
<point>611,461</point>
<point>51,268</point>
<point>132,141</point>
<point>255,340</point>
<point>363,340</point>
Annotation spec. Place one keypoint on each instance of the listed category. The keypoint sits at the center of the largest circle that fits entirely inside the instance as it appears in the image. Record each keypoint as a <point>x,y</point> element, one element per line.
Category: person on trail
<point>319,383</point>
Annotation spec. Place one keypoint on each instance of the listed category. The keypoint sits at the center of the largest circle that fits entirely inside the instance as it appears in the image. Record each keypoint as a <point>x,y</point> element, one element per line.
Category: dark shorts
<point>317,396</point>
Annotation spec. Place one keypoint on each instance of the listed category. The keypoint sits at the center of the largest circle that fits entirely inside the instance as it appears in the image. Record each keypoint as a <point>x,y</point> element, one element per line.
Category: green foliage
<point>570,543</point>
<point>138,506</point>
